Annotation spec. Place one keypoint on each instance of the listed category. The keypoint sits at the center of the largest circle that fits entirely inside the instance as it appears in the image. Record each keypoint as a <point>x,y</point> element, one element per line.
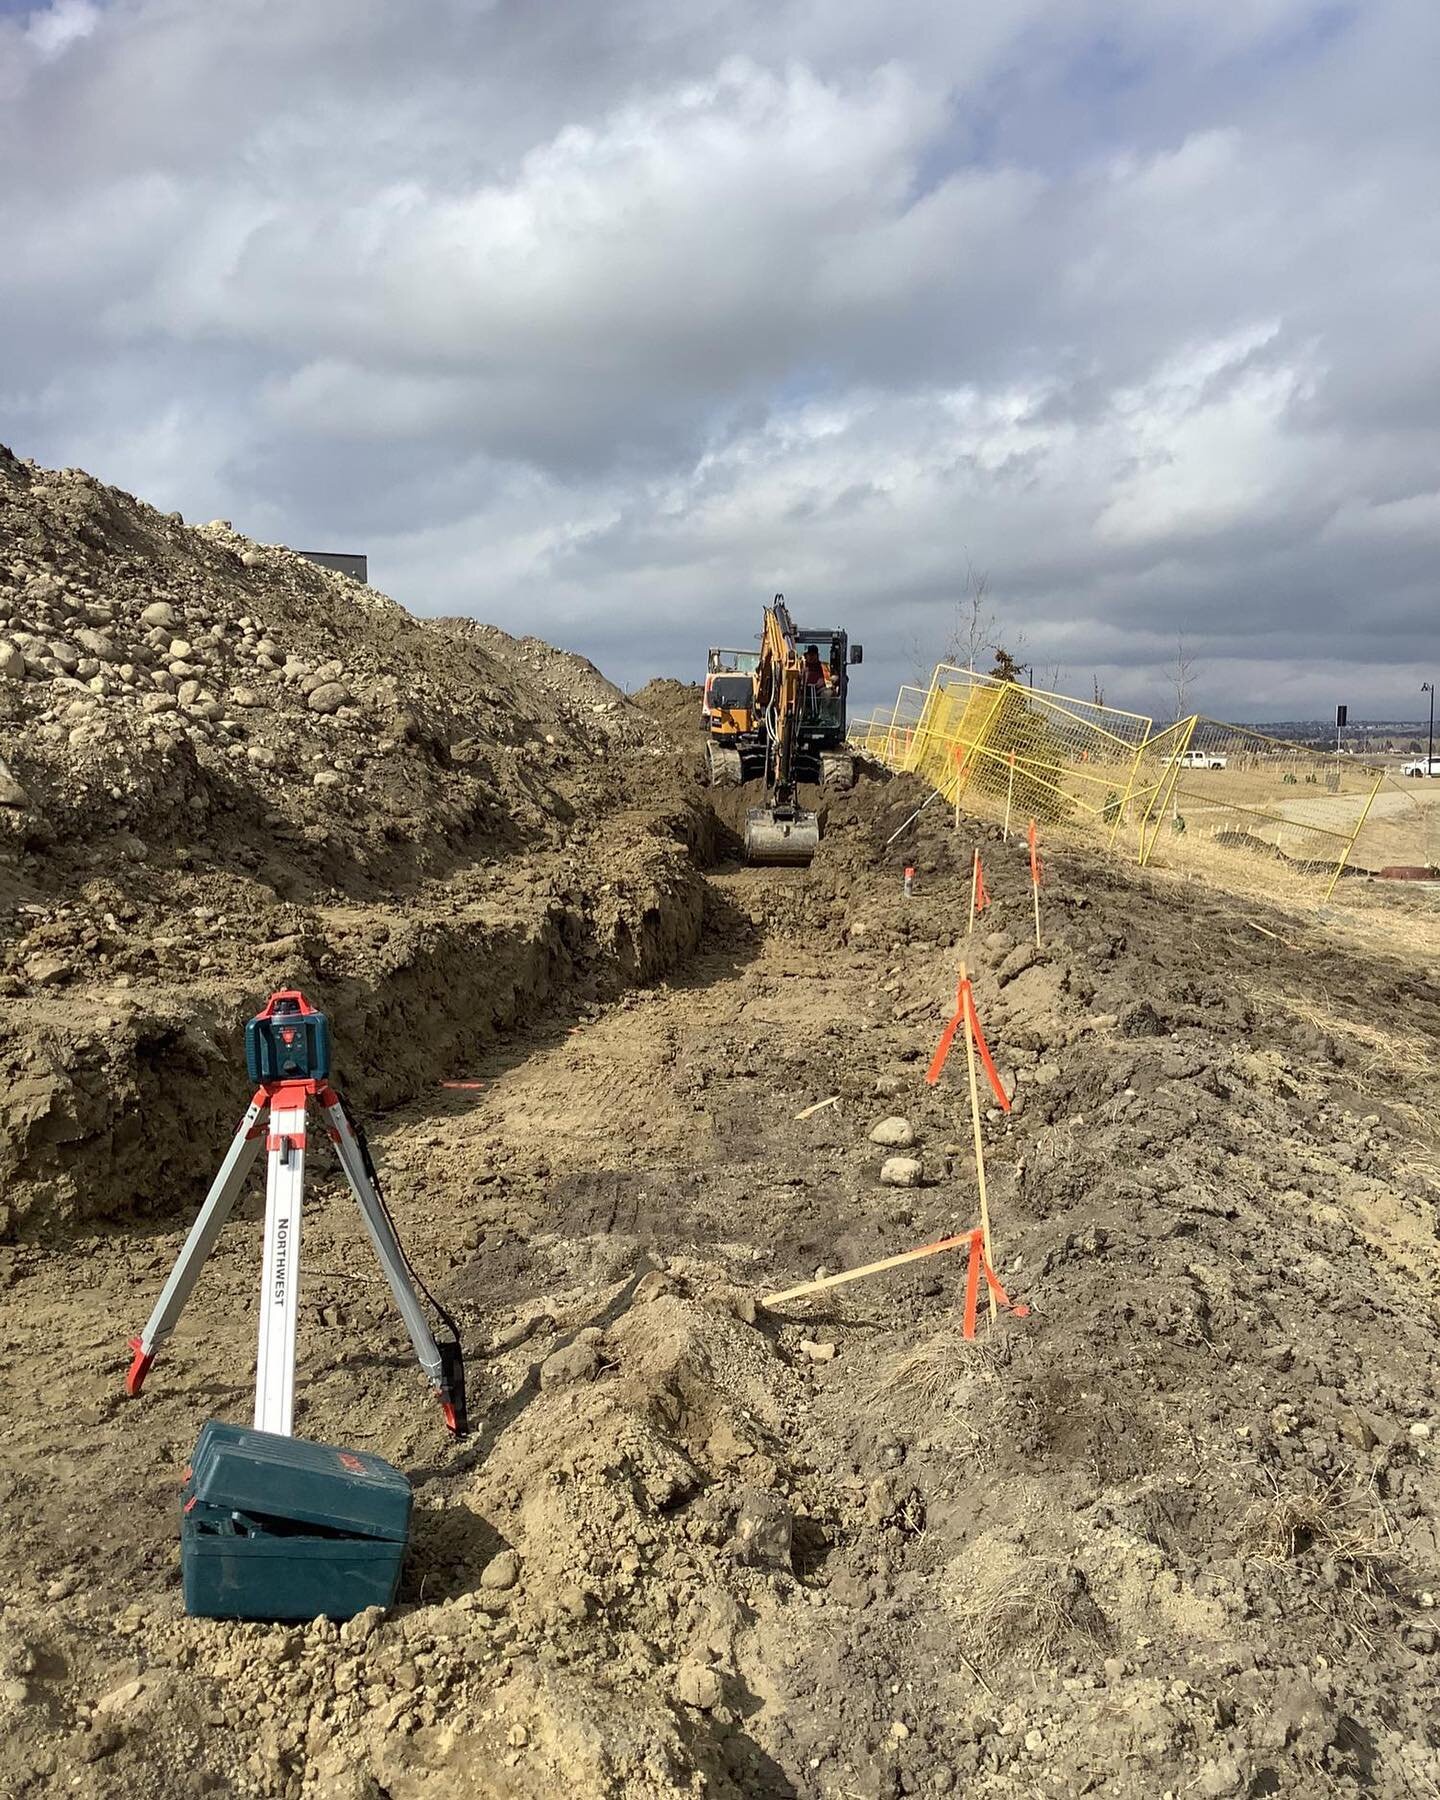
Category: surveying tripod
<point>287,1052</point>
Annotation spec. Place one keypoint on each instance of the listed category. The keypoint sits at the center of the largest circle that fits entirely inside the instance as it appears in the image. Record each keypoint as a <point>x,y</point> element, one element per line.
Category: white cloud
<point>605,321</point>
<point>51,31</point>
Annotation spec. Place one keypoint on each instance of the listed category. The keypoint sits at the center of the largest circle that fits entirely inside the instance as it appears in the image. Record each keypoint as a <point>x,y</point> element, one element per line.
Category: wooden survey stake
<point>975,1121</point>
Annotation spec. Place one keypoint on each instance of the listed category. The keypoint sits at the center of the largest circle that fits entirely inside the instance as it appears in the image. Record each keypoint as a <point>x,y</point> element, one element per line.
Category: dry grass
<point>1316,1516</point>
<point>1391,1056</point>
<point>1425,1163</point>
<point>1383,918</point>
<point>918,1383</point>
<point>1036,1613</point>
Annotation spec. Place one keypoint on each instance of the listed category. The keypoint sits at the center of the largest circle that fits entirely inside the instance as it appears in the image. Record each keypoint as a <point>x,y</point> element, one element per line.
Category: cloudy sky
<point>607,320</point>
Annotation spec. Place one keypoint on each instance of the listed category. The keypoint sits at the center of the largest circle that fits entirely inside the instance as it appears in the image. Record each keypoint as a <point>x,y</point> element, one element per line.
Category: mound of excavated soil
<point>168,683</point>
<point>223,769</point>
<point>675,703</point>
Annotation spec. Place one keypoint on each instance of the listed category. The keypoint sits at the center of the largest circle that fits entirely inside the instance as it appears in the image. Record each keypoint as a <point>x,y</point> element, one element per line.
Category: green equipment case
<point>272,1527</point>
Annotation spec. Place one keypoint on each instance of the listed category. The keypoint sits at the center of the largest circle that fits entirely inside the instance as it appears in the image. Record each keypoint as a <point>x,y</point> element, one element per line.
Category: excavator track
<point>837,769</point>
<point>725,766</point>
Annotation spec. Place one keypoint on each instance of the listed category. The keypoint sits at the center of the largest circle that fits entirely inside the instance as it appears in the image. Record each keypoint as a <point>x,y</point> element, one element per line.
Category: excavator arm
<point>782,680</point>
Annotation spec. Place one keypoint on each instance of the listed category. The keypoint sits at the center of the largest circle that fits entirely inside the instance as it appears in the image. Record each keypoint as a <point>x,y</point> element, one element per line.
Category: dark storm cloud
<point>605,322</point>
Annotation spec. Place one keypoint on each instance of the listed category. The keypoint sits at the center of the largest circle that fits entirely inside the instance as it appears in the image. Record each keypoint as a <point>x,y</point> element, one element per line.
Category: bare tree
<point>1181,675</point>
<point>973,631</point>
<point>1099,691</point>
<point>920,659</point>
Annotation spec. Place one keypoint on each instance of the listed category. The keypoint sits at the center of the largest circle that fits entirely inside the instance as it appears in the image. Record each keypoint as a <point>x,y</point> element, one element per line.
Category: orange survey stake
<point>980,1265</point>
<point>965,1014</point>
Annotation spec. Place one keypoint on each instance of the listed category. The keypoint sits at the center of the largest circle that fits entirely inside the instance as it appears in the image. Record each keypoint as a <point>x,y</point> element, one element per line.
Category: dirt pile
<point>160,680</point>
<point>676,704</point>
<point>223,766</point>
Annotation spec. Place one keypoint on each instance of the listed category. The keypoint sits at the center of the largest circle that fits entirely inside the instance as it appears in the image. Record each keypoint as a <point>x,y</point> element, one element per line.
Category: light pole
<point>1428,687</point>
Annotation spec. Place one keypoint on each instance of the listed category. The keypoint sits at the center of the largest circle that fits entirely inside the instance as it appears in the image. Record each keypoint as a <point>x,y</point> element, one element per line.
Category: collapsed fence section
<point>1237,789</point>
<point>1199,795</point>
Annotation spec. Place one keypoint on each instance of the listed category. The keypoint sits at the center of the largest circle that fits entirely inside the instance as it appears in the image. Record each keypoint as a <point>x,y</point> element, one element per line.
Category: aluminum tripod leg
<point>280,1272</point>
<point>387,1249</point>
<point>244,1147</point>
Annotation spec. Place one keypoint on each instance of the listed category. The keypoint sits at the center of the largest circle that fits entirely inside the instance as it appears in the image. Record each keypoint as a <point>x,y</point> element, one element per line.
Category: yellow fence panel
<point>1198,796</point>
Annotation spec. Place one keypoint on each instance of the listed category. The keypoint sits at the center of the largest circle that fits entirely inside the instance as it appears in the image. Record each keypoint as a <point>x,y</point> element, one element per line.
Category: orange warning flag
<point>982,893</point>
<point>1035,864</point>
<point>965,1014</point>
<point>980,1265</point>
<point>942,1049</point>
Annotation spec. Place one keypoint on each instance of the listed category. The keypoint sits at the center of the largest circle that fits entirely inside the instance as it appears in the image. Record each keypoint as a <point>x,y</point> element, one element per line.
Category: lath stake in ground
<point>1035,880</point>
<point>975,1124</point>
<point>873,1268</point>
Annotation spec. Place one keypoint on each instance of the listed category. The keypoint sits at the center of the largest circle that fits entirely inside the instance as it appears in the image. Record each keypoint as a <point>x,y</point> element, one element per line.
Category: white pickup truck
<point>1201,759</point>
<point>1418,767</point>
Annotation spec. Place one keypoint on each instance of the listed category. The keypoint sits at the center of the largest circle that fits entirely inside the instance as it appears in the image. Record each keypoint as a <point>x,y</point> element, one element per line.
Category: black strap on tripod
<point>452,1354</point>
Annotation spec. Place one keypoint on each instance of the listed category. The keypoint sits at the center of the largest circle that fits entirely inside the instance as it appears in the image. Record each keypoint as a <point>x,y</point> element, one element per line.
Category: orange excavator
<point>788,725</point>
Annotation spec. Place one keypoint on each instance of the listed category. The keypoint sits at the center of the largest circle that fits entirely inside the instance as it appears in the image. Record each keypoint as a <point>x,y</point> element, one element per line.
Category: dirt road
<point>1172,1533</point>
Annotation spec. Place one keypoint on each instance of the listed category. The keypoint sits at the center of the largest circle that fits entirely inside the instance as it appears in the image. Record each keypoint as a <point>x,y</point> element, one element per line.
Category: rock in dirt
<point>11,792</point>
<point>47,971</point>
<point>501,1572</point>
<point>902,1171</point>
<point>329,697</point>
<point>697,1685</point>
<point>1218,1776</point>
<point>895,1132</point>
<point>764,1529</point>
<point>572,1363</point>
<point>121,1699</point>
<point>652,1285</point>
<point>819,1353</point>
<point>1023,957</point>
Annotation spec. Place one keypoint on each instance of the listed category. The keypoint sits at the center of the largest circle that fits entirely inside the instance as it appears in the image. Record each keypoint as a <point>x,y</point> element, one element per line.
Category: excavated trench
<point>119,1101</point>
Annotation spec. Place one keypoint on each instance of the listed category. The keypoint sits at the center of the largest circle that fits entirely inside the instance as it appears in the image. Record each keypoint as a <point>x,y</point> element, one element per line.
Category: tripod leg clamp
<point>452,1388</point>
<point>139,1366</point>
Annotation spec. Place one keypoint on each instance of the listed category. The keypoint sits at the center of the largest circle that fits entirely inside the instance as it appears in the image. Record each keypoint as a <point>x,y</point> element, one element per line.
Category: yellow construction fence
<point>1197,794</point>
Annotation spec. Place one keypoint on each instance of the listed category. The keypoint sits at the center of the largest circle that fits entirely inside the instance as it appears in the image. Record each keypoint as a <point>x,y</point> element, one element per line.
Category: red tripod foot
<point>139,1367</point>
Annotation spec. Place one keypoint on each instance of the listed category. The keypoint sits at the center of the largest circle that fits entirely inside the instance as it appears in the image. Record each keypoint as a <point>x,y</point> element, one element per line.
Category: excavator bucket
<point>781,834</point>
